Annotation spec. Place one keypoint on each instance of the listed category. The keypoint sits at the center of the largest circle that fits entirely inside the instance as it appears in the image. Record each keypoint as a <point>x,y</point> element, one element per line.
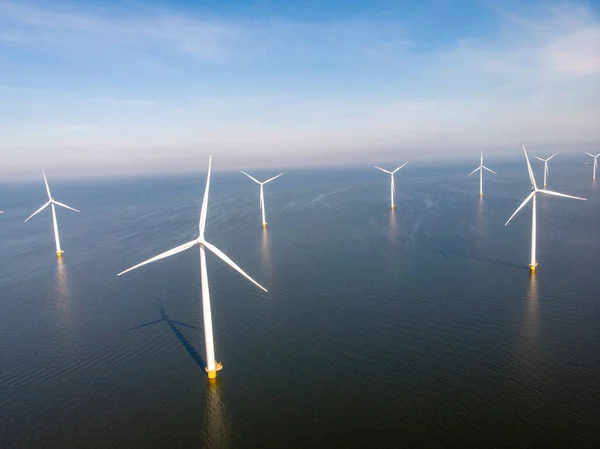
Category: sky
<point>118,87</point>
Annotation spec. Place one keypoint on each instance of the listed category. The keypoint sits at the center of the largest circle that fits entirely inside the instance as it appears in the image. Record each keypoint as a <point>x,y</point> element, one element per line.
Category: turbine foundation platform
<point>264,225</point>
<point>532,266</point>
<point>213,374</point>
<point>59,253</point>
<point>393,206</point>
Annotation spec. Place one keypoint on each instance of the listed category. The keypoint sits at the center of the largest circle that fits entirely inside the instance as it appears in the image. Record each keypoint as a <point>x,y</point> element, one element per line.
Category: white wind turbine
<point>532,195</point>
<point>595,163</point>
<point>392,185</point>
<point>480,168</point>
<point>212,365</point>
<point>262,198</point>
<point>546,172</point>
<point>52,202</point>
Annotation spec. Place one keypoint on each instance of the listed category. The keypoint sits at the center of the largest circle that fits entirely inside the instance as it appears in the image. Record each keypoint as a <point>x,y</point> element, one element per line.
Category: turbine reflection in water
<point>529,339</point>
<point>532,321</point>
<point>480,220</point>
<point>265,254</point>
<point>63,294</point>
<point>217,422</point>
<point>393,227</point>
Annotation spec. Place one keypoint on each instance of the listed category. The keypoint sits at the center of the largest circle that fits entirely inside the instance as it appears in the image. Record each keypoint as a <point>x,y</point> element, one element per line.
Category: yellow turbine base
<point>393,206</point>
<point>59,253</point>
<point>264,225</point>
<point>532,266</point>
<point>213,374</point>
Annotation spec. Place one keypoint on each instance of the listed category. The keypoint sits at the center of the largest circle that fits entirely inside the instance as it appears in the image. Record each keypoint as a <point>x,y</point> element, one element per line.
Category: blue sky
<point>117,87</point>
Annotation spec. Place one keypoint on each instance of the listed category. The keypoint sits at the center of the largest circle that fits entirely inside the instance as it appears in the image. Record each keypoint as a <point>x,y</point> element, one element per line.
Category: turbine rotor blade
<point>271,179</point>
<point>520,207</point>
<point>221,255</point>
<point>489,169</point>
<point>474,171</point>
<point>65,206</point>
<point>168,253</point>
<point>400,167</point>
<point>531,177</point>
<point>203,211</point>
<point>539,158</point>
<point>550,192</point>
<point>47,186</point>
<point>590,154</point>
<point>39,210</point>
<point>253,179</point>
<point>383,170</point>
<point>552,156</point>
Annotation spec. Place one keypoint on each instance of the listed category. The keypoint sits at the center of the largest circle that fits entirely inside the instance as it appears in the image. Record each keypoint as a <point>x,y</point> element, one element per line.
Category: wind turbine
<point>52,202</point>
<point>480,168</point>
<point>392,186</point>
<point>212,365</point>
<point>595,163</point>
<point>532,195</point>
<point>546,172</point>
<point>262,198</point>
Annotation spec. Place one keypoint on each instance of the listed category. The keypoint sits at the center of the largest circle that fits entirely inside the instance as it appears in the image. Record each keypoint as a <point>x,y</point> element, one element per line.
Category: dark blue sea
<point>418,327</point>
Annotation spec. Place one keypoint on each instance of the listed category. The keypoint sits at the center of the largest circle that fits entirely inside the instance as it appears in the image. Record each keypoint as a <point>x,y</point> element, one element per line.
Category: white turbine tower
<point>52,202</point>
<point>595,163</point>
<point>262,198</point>
<point>392,185</point>
<point>532,195</point>
<point>546,172</point>
<point>212,365</point>
<point>481,168</point>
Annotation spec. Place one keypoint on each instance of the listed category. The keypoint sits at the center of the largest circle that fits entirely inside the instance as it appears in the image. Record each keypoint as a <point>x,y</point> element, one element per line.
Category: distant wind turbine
<point>546,172</point>
<point>262,198</point>
<point>392,185</point>
<point>52,202</point>
<point>481,168</point>
<point>532,195</point>
<point>595,163</point>
<point>212,365</point>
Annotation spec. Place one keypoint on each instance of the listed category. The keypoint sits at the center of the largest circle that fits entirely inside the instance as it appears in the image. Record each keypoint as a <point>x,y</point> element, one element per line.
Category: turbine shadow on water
<point>173,326</point>
<point>481,259</point>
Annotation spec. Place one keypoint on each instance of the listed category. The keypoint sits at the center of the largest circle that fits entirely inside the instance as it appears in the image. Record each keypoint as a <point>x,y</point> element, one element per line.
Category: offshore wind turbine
<point>262,197</point>
<point>532,196</point>
<point>51,202</point>
<point>212,365</point>
<point>392,185</point>
<point>595,163</point>
<point>546,172</point>
<point>481,168</point>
